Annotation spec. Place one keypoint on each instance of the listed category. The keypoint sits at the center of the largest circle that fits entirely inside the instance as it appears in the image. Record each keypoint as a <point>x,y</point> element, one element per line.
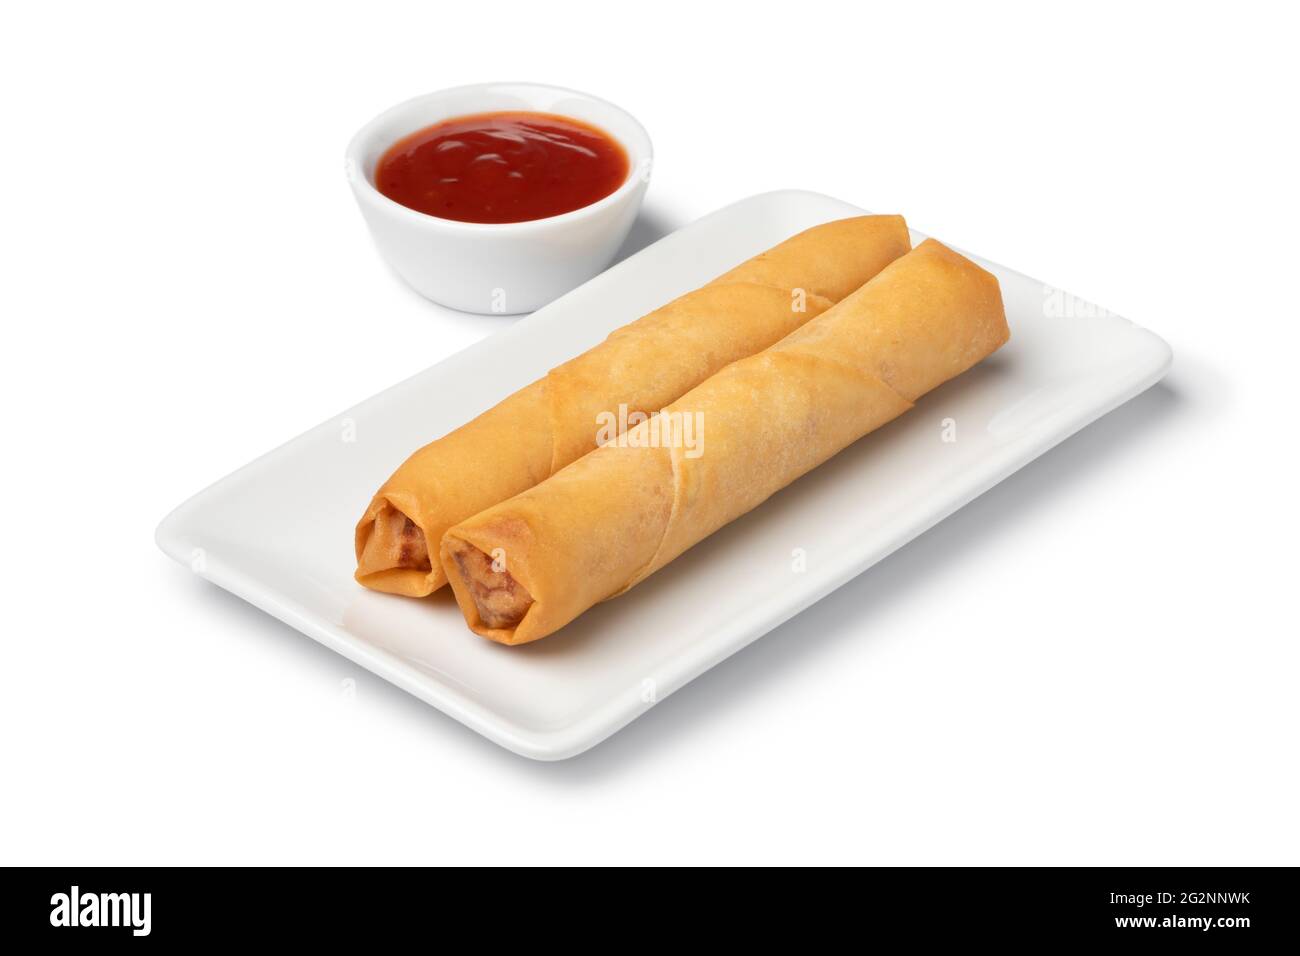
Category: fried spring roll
<point>642,366</point>
<point>526,567</point>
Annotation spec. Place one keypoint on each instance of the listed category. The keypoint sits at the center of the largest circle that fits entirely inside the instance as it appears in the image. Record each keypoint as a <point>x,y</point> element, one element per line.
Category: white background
<point>1096,662</point>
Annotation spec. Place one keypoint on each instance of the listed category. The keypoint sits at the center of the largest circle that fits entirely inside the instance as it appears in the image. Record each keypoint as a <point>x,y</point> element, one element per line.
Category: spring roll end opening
<point>499,601</point>
<point>393,553</point>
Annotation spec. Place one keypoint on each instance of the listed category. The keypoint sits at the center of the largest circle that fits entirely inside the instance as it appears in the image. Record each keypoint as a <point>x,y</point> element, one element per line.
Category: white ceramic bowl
<point>497,267</point>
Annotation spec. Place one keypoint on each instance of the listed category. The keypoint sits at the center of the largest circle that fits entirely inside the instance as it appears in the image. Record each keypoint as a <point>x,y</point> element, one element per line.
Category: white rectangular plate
<point>278,532</point>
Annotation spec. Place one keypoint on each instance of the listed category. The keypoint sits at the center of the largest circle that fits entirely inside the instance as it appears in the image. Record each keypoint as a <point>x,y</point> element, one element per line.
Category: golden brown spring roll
<point>642,366</point>
<point>526,567</point>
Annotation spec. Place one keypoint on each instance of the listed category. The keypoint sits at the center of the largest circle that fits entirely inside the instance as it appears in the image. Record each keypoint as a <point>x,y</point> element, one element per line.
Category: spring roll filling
<point>500,600</point>
<point>395,542</point>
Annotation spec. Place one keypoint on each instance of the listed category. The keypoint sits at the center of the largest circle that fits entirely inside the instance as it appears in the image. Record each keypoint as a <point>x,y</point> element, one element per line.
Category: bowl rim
<point>640,163</point>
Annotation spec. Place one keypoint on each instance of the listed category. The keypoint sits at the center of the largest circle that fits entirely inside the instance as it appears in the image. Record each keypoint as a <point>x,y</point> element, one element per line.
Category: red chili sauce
<point>502,167</point>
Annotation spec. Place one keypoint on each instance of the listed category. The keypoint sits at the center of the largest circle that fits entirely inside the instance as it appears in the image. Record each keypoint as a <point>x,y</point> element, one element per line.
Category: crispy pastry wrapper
<point>644,366</point>
<point>526,567</point>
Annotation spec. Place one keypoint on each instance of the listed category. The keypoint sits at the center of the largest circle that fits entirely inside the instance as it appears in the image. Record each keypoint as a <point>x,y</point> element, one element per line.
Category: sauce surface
<point>502,167</point>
